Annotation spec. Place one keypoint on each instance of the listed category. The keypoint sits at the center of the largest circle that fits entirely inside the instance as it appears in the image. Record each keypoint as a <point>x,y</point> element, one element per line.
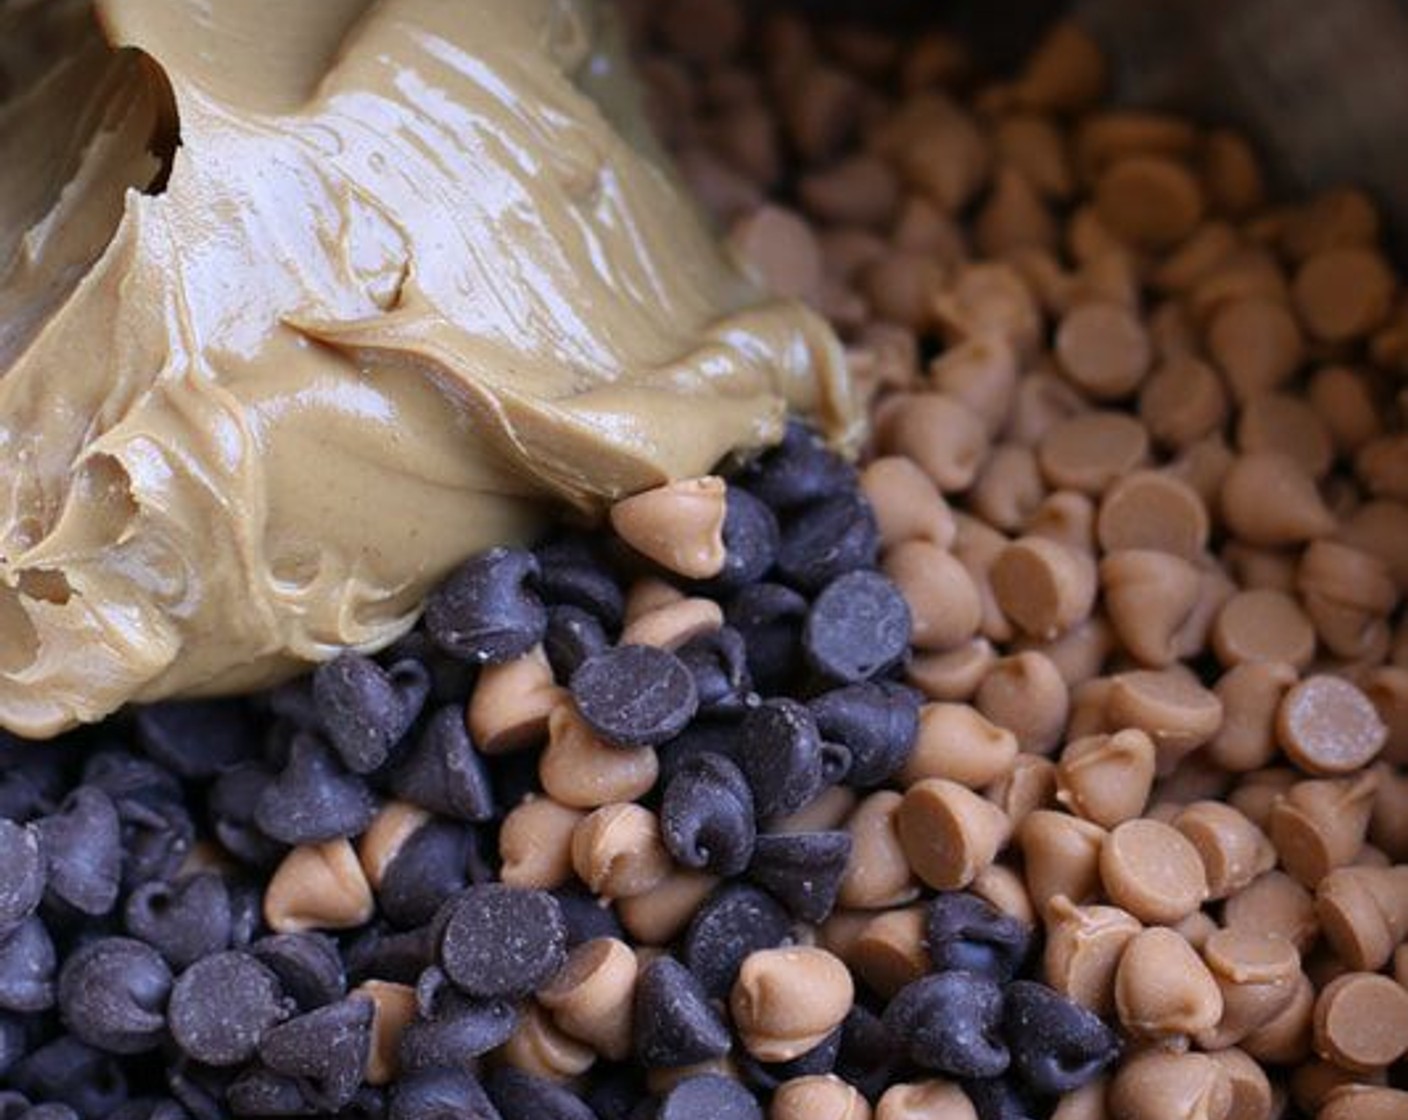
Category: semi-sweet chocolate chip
<point>635,696</point>
<point>488,611</point>
<point>857,627</point>
<point>675,1023</point>
<point>112,994</point>
<point>1056,1045</point>
<point>501,942</point>
<point>966,933</point>
<point>951,1023</point>
<point>222,1006</point>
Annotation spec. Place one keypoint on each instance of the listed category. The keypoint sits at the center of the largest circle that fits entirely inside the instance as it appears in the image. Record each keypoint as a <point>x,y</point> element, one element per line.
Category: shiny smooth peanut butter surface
<point>301,303</point>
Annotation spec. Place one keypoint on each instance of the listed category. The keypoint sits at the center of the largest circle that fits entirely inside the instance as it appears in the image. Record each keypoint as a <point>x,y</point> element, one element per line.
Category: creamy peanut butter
<point>302,303</point>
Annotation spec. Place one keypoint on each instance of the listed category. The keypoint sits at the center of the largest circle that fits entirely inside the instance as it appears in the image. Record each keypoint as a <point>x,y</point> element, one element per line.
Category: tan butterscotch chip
<point>674,624</point>
<point>617,851</point>
<point>941,435</point>
<point>1084,945</point>
<point>981,372</point>
<point>1106,778</point>
<point>1267,499</point>
<point>1031,785</point>
<point>660,915</point>
<point>890,950</point>
<point>1256,343</point>
<point>1252,1095</point>
<point>948,833</point>
<point>317,887</point>
<point>1042,398</point>
<point>1003,887</point>
<point>781,249</point>
<point>592,995</point>
<point>1009,488</point>
<point>1176,712</point>
<point>1043,586</point>
<point>1090,451</point>
<point>901,288</point>
<point>953,675</point>
<point>1364,1102</point>
<point>1257,973</point>
<point>1361,1021</point>
<point>1348,402</point>
<point>786,1001</point>
<point>1147,509</point>
<point>877,873</point>
<point>1182,401</point>
<point>394,1006</point>
<point>956,742</point>
<point>827,810</point>
<point>1234,182</point>
<point>1363,913</point>
<point>1286,1039</point>
<point>1060,856</point>
<point>1149,201</point>
<point>1326,725</point>
<point>1234,851</point>
<point>1103,349</point>
<point>535,843</point>
<point>1200,254</point>
<point>944,604</point>
<point>679,525</point>
<point>1163,989</point>
<point>818,1097</point>
<point>1150,869</point>
<point>1013,217</point>
<point>394,824</point>
<point>1288,425</point>
<point>1251,694</point>
<point>509,707</point>
<point>925,1100</point>
<point>1066,517</point>
<point>1080,653</point>
<point>580,770</point>
<point>538,1046</point>
<point>1149,597</point>
<point>1107,134</point>
<point>1026,695</point>
<point>907,504</point>
<point>1344,293</point>
<point>1318,826</point>
<point>1085,1103</point>
<point>1263,625</point>
<point>1274,903</point>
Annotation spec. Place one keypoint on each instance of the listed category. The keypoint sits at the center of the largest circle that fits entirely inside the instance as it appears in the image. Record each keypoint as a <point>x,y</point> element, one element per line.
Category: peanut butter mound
<point>302,303</point>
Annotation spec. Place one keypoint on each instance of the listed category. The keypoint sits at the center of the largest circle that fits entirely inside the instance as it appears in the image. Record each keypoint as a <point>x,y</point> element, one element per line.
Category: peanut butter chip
<point>395,1007</point>
<point>1274,903</point>
<point>889,951</point>
<point>1256,343</point>
<point>591,997</point>
<point>1084,945</point>
<point>1176,712</point>
<point>1268,499</point>
<point>1107,778</point>
<point>1104,350</point>
<point>680,525</point>
<point>1363,912</point>
<point>1364,1102</point>
<point>1152,871</point>
<point>1328,726</point>
<point>925,1100</point>
<point>1147,509</point>
<point>1233,850</point>
<point>318,886</point>
<point>1090,451</point>
<point>1163,989</point>
<point>1149,596</point>
<point>1043,586</point>
<point>944,603</point>
<point>785,1001</point>
<point>949,833</point>
<point>1157,1085</point>
<point>1149,201</point>
<point>1263,625</point>
<point>818,1097</point>
<point>1344,293</point>
<point>1361,1021</point>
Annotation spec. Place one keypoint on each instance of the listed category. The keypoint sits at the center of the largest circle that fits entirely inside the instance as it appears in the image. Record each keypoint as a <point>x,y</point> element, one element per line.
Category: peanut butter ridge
<point>412,273</point>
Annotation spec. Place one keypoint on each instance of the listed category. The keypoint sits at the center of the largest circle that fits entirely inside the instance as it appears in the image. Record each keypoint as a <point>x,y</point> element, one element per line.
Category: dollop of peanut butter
<point>301,303</point>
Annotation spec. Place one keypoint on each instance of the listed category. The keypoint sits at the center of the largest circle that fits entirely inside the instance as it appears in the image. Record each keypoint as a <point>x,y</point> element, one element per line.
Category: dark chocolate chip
<point>14,1042</point>
<point>574,634</point>
<point>751,540</point>
<point>246,910</point>
<point>364,709</point>
<point>800,470</point>
<point>868,1054</point>
<point>876,721</point>
<point>498,941</point>
<point>769,616</point>
<point>585,916</point>
<point>82,844</point>
<point>635,696</point>
<point>951,1023</point>
<point>440,1094</point>
<point>709,1097</point>
<point>857,628</point>
<point>525,1096</point>
<point>827,540</point>
<point>780,754</point>
<point>222,1006</point>
<point>718,662</point>
<point>703,736</point>
<point>802,870</point>
<point>675,1022</point>
<point>308,966</point>
<point>21,798</point>
<point>431,865</point>
<point>67,1071</point>
<point>259,1091</point>
<point>487,611</point>
<point>157,836</point>
<point>583,582</point>
<point>1002,1098</point>
<point>450,1028</point>
<point>199,1089</point>
<point>706,816</point>
<point>13,1105</point>
<point>50,1110</point>
<point>23,874</point>
<point>966,932</point>
<point>327,1047</point>
<point>442,772</point>
<point>182,920</point>
<point>148,1108</point>
<point>197,739</point>
<point>378,953</point>
<point>734,921</point>
<point>113,993</point>
<point>27,964</point>
<point>315,798</point>
<point>1057,1045</point>
<point>232,801</point>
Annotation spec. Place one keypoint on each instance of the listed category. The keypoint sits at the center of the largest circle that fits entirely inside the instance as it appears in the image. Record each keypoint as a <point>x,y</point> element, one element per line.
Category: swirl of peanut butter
<point>303,302</point>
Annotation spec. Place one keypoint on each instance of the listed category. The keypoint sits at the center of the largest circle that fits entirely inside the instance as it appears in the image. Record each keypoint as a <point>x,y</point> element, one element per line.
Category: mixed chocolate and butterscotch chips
<point>1048,763</point>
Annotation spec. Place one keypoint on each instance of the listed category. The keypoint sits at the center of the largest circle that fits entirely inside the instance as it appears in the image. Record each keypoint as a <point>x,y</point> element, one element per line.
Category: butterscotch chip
<point>1251,694</point>
<point>1150,510</point>
<point>940,434</point>
<point>953,675</point>
<point>1163,989</point>
<point>1288,425</point>
<point>1066,517</point>
<point>1149,201</point>
<point>1364,1102</point>
<point>1084,945</point>
<point>1150,869</point>
<point>1033,143</point>
<point>679,525</point>
<point>1200,254</point>
<point>1286,1038</point>
<point>1320,825</point>
<point>538,1046</point>
<point>1043,586</point>
<point>1257,974</point>
<point>1026,695</point>
<point>394,1006</point>
<point>1176,712</point>
<point>317,887</point>
<point>1344,293</point>
<point>1263,625</point>
<point>674,624</point>
<point>535,844</point>
<point>1103,349</point>
<point>877,873</point>
<point>902,286</point>
<point>1252,1095</point>
<point>924,1100</point>
<point>990,299</point>
<point>660,915</point>
<point>956,742</point>
<point>1004,888</point>
<point>1347,401</point>
<point>1080,653</point>
<point>1267,499</point>
<point>1149,597</point>
<point>1233,180</point>
<point>907,504</point>
<point>510,705</point>
<point>1107,778</point>
<point>592,995</point>
<point>1013,217</point>
<point>617,851</point>
<point>890,951</point>
<point>949,833</point>
<point>1060,857</point>
<point>581,771</point>
<point>1256,343</point>
<point>1030,785</point>
<point>1274,903</point>
<point>1009,488</point>
<point>944,604</point>
<point>1090,451</point>
<point>1107,134</point>
<point>818,1097</point>
<point>1234,851</point>
<point>1328,726</point>
<point>1157,1085</point>
<point>1182,401</point>
<point>1361,1021</point>
<point>1363,913</point>
<point>982,373</point>
<point>786,1001</point>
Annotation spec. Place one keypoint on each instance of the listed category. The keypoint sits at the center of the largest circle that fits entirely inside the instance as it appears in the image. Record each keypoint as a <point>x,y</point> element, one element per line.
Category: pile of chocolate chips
<point>331,900</point>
